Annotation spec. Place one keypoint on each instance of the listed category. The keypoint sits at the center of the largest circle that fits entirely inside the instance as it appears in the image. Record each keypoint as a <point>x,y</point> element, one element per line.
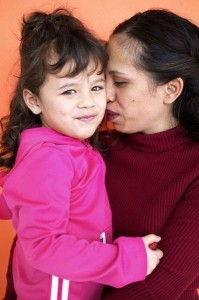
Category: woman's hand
<point>153,254</point>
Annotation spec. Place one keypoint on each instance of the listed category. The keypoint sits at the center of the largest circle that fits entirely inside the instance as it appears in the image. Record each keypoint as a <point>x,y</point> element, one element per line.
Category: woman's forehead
<point>120,58</point>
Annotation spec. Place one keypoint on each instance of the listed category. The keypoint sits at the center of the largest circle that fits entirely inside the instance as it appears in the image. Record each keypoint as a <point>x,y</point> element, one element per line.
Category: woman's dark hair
<point>167,48</point>
<point>42,34</point>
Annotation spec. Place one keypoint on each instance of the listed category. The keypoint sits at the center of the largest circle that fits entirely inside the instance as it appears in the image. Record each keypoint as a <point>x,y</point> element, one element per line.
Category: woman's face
<point>135,102</point>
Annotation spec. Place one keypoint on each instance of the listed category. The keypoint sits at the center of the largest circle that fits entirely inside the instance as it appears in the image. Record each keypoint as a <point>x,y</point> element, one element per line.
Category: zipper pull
<point>103,237</point>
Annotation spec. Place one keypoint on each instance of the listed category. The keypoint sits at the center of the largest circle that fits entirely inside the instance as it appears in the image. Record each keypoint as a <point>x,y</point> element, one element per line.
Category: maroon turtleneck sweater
<point>153,186</point>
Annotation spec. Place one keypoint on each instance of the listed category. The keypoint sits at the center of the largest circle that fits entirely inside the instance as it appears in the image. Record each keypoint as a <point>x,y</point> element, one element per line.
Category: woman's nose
<point>110,93</point>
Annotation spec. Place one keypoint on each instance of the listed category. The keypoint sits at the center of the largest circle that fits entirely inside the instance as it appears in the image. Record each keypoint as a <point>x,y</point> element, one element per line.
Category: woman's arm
<point>179,267</point>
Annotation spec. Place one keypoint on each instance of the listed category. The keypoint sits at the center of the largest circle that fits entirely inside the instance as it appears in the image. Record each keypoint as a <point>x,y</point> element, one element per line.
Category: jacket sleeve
<point>41,210</point>
<point>180,265</point>
<point>5,213</point>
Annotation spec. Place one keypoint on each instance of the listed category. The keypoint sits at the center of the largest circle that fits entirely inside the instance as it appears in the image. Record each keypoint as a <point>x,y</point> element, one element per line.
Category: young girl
<point>55,187</point>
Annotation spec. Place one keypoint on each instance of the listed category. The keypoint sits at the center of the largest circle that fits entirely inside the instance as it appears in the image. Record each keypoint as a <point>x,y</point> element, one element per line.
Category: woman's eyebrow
<point>116,72</point>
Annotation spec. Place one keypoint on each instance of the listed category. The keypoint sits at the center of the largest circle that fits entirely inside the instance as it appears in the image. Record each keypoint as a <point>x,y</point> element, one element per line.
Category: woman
<point>153,168</point>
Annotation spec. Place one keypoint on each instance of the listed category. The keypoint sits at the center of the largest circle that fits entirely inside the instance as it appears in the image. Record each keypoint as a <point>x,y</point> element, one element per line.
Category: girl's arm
<point>40,203</point>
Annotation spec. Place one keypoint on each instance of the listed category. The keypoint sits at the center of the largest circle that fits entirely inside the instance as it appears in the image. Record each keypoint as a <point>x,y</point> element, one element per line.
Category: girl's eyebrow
<point>99,80</point>
<point>66,85</point>
<point>72,84</point>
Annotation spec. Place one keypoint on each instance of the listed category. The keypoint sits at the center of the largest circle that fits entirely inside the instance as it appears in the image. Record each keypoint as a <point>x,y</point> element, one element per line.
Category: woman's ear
<point>31,101</point>
<point>173,90</point>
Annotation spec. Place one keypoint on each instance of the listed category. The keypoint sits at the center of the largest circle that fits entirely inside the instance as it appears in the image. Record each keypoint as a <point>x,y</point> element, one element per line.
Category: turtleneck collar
<point>159,142</point>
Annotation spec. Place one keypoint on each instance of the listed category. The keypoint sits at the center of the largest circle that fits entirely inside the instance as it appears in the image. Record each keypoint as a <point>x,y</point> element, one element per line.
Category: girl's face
<point>135,103</point>
<point>72,106</point>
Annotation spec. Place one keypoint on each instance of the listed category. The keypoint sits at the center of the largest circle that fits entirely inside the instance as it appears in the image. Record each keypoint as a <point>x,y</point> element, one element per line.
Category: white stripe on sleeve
<point>54,288</point>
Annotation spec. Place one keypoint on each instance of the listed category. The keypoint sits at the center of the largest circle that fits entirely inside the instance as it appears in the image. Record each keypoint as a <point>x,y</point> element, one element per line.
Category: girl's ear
<point>31,101</point>
<point>173,90</point>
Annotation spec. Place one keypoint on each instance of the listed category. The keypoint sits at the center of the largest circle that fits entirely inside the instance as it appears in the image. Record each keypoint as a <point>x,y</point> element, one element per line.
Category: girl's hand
<point>153,254</point>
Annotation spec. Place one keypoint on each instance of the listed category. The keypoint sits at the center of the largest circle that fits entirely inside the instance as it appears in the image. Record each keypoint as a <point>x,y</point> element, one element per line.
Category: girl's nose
<point>86,101</point>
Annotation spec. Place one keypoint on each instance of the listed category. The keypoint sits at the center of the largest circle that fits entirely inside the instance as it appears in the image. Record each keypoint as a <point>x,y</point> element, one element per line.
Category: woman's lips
<point>111,115</point>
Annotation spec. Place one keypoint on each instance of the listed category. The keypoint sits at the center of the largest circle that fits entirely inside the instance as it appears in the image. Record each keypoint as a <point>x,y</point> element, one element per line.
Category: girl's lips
<point>111,115</point>
<point>86,118</point>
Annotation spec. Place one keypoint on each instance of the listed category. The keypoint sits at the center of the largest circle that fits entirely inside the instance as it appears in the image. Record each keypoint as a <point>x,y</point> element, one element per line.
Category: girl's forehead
<point>91,61</point>
<point>93,67</point>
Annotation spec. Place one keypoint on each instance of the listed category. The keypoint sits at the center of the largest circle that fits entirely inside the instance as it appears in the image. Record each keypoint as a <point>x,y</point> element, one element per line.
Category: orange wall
<point>99,15</point>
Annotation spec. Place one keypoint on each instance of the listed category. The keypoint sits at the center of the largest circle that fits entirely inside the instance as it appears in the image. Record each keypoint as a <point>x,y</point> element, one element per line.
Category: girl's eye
<point>69,92</point>
<point>97,88</point>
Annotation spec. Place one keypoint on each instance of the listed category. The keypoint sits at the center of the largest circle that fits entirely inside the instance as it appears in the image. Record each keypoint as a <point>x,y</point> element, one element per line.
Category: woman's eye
<point>69,92</point>
<point>97,88</point>
<point>119,83</point>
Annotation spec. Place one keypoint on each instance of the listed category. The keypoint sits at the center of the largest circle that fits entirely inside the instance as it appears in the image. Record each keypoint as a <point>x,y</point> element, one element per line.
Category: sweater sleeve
<point>180,264</point>
<point>41,209</point>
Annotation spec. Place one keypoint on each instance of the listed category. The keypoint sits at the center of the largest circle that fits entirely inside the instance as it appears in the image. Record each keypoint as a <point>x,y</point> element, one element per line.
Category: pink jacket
<point>62,217</point>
